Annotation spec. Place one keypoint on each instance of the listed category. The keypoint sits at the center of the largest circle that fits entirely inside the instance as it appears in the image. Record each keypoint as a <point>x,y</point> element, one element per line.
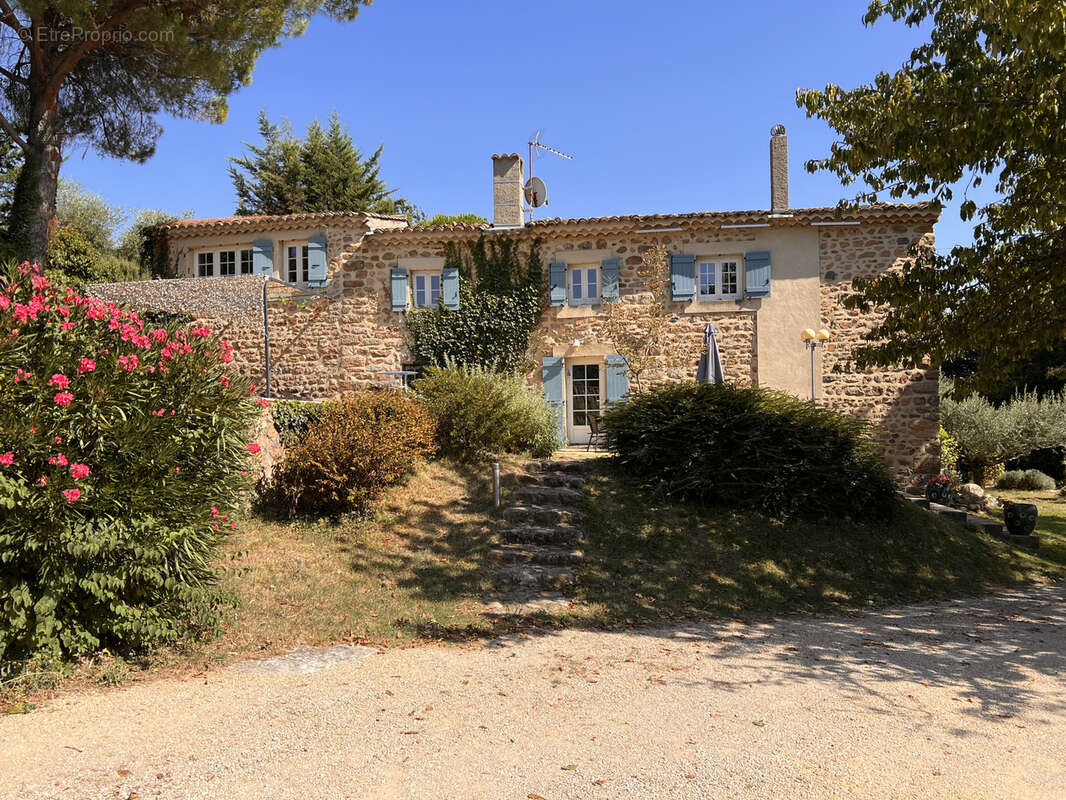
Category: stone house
<point>343,282</point>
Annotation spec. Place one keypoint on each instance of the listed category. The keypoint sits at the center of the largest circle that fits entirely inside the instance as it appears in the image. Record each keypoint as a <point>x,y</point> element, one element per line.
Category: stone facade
<point>343,335</point>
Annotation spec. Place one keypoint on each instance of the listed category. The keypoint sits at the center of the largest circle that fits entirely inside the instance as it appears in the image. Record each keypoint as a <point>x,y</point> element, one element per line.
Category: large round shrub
<point>749,448</point>
<point>481,413</point>
<point>122,450</point>
<point>362,445</point>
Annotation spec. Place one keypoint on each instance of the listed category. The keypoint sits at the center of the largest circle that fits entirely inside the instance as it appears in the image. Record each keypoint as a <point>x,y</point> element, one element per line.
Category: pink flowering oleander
<point>7,459</point>
<point>254,448</point>
<point>64,399</point>
<point>59,380</point>
<point>79,470</point>
<point>214,511</point>
<point>71,494</point>
<point>86,365</point>
<point>159,335</point>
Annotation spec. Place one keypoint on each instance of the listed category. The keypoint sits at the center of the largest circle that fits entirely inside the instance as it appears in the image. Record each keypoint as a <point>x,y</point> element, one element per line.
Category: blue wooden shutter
<point>449,288</point>
<point>682,277</point>
<point>557,283</point>
<point>317,265</point>
<point>617,378</point>
<point>398,283</point>
<point>609,279</point>
<point>757,273</point>
<point>551,371</point>
<point>263,257</point>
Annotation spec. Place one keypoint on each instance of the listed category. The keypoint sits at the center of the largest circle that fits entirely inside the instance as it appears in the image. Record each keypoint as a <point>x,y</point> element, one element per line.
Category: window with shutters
<point>718,278</point>
<point>226,260</point>
<point>297,263</point>
<point>426,289</point>
<point>583,284</point>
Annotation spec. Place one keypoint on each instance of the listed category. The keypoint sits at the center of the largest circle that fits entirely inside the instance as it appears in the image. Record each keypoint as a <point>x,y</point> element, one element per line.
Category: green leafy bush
<point>500,304</point>
<point>293,418</point>
<point>364,443</point>
<point>949,455</point>
<point>481,413</point>
<point>1025,479</point>
<point>122,448</point>
<point>749,448</point>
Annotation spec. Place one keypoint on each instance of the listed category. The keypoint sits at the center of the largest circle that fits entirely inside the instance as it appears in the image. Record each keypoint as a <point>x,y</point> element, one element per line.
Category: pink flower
<point>233,526</point>
<point>129,363</point>
<point>159,413</point>
<point>22,375</point>
<point>86,365</point>
<point>159,335</point>
<point>79,471</point>
<point>263,402</point>
<point>58,440</point>
<point>59,380</point>
<point>71,494</point>
<point>7,459</point>
<point>33,430</point>
<point>5,301</point>
<point>223,380</point>
<point>60,460</point>
<point>214,511</point>
<point>177,469</point>
<point>254,448</point>
<point>64,398</point>
<point>43,480</point>
<point>203,333</point>
<point>67,326</point>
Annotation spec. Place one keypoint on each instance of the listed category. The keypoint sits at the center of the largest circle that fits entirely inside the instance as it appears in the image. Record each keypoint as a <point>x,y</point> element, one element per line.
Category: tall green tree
<point>98,72</point>
<point>323,171</point>
<point>88,213</point>
<point>981,100</point>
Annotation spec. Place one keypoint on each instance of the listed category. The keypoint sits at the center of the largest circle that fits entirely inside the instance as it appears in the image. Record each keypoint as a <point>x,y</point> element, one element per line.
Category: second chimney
<point>778,169</point>
<point>507,191</point>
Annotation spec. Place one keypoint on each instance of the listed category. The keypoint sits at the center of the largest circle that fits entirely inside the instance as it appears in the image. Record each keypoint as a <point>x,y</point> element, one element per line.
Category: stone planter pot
<point>939,494</point>
<point>1020,518</point>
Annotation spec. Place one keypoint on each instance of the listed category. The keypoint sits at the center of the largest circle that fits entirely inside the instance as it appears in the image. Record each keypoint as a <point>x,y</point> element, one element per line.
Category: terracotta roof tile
<point>266,221</point>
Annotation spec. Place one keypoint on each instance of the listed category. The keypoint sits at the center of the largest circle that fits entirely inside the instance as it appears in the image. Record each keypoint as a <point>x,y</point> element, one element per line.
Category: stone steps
<point>570,466</point>
<point>541,530</point>
<point>555,496</point>
<point>570,480</point>
<point>544,575</point>
<point>536,534</point>
<point>990,526</point>
<point>530,553</point>
<point>541,515</point>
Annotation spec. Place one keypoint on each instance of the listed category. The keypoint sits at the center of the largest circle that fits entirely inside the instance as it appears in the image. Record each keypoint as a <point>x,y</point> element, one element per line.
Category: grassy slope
<point>648,560</point>
<point>415,571</point>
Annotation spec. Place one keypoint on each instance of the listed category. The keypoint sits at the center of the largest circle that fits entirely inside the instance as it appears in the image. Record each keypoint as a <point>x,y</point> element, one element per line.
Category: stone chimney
<point>778,169</point>
<point>507,183</point>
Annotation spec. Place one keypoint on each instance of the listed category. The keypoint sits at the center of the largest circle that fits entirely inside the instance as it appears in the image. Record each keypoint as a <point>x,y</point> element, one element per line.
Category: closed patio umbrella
<point>710,369</point>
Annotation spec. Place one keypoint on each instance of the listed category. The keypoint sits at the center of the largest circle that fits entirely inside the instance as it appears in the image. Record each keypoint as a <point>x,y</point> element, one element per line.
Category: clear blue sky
<point>666,106</point>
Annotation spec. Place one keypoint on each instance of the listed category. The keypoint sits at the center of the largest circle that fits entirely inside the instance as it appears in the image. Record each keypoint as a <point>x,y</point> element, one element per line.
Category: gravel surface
<point>964,699</point>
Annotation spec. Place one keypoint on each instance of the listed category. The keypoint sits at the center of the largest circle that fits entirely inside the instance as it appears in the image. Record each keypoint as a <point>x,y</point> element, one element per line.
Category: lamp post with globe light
<point>813,340</point>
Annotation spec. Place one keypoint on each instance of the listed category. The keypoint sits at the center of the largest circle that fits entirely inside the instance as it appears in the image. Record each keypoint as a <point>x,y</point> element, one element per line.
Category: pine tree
<point>270,180</point>
<point>324,171</point>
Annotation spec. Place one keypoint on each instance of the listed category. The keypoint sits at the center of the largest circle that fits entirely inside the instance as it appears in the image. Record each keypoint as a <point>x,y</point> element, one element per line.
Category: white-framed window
<point>718,278</point>
<point>426,289</point>
<point>226,260</point>
<point>583,284</point>
<point>297,266</point>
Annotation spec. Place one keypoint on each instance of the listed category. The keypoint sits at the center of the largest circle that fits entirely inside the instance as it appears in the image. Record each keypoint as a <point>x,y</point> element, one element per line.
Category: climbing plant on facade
<point>501,299</point>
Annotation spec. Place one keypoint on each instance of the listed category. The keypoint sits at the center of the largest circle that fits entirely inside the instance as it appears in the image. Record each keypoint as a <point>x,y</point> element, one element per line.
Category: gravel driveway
<point>963,699</point>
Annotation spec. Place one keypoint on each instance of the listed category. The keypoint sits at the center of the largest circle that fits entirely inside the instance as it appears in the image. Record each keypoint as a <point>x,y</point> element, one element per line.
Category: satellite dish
<point>536,192</point>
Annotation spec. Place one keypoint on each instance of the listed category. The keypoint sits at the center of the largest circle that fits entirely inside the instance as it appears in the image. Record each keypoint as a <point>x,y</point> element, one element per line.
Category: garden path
<point>942,700</point>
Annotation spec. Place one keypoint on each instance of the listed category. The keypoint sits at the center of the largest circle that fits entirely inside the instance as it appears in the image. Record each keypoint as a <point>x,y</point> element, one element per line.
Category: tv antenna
<point>536,193</point>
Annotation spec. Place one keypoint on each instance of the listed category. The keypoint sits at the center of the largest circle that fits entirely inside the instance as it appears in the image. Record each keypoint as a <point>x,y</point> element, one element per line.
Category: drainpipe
<point>266,336</point>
